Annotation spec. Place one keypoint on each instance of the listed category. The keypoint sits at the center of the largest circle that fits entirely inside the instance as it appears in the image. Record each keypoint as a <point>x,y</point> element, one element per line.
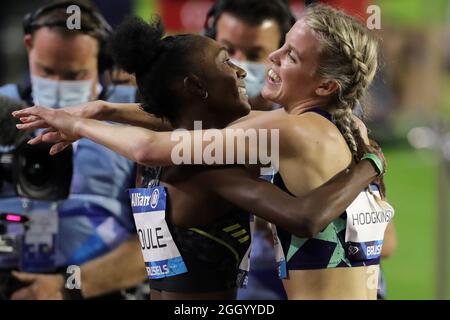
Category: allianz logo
<point>137,199</point>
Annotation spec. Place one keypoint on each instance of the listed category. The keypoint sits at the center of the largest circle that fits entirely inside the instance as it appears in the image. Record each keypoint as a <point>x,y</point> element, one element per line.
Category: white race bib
<point>367,219</point>
<point>161,255</point>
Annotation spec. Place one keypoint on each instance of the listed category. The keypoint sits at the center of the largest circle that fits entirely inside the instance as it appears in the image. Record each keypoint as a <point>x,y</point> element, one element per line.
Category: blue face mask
<point>58,94</point>
<point>256,76</point>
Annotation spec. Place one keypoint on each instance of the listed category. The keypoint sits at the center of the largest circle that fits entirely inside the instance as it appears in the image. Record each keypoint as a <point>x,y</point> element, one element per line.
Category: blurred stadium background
<point>410,92</point>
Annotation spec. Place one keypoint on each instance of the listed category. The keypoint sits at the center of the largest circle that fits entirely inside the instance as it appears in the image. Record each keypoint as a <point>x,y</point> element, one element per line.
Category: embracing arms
<point>153,148</point>
<point>303,216</point>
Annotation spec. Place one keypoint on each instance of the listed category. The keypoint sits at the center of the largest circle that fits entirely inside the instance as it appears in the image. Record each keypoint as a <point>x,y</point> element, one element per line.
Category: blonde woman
<point>326,64</point>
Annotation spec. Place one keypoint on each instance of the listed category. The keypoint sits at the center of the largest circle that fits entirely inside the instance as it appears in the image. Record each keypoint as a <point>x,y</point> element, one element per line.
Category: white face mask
<point>256,76</point>
<point>58,94</point>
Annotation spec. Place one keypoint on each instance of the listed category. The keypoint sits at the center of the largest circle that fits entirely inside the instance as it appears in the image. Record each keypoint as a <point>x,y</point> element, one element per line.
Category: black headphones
<point>101,31</point>
<point>214,13</point>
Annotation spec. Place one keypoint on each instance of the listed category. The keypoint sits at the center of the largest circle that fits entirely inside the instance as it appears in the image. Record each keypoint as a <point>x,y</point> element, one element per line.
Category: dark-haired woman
<point>337,260</point>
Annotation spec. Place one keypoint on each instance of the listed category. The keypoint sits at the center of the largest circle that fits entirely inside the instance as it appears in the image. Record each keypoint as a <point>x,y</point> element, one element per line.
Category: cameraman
<point>95,228</point>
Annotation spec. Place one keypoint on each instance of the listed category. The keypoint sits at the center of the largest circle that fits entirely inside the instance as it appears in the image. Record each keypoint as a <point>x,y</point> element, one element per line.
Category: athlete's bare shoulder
<point>312,135</point>
<point>310,124</point>
<point>262,119</point>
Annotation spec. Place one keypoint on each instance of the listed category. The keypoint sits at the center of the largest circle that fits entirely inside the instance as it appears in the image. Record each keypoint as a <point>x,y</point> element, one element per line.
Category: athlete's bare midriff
<point>356,283</point>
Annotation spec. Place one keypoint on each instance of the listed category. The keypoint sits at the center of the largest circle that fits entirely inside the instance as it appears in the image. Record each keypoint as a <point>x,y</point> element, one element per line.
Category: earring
<point>206,95</point>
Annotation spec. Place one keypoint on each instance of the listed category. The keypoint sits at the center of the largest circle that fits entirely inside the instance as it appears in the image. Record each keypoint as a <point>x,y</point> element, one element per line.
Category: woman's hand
<point>60,126</point>
<point>90,110</point>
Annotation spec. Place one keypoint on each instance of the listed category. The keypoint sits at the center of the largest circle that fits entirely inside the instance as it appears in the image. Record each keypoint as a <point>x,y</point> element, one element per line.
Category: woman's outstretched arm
<point>125,113</point>
<point>149,147</point>
<point>256,139</point>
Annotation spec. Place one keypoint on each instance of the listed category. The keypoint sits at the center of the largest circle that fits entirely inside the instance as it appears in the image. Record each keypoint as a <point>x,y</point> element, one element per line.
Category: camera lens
<point>38,175</point>
<point>36,171</point>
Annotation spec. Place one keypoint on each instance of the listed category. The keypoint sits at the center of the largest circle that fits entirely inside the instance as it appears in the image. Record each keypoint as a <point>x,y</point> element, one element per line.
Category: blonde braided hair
<point>348,56</point>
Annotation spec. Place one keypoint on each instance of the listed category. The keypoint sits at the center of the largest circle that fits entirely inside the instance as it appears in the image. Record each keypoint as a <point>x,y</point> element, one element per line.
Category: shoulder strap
<point>321,112</point>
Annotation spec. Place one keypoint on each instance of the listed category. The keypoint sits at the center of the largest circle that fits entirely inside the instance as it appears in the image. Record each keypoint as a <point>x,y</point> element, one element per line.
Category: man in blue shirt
<point>95,228</point>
